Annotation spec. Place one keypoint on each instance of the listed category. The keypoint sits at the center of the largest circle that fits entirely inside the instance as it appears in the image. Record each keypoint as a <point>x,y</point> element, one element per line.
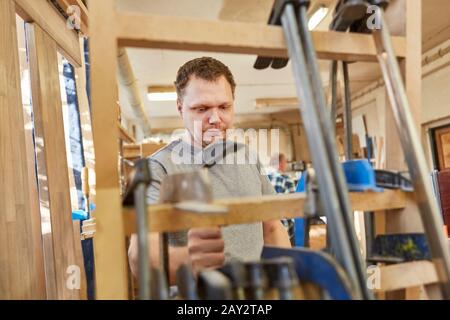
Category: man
<point>282,184</point>
<point>205,89</point>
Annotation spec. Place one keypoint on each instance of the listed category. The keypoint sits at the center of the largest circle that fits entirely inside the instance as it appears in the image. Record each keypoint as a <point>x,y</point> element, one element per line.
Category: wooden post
<point>109,242</point>
<point>21,275</point>
<point>52,159</point>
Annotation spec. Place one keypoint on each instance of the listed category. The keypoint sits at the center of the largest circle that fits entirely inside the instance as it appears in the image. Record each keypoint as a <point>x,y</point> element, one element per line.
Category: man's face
<point>207,109</point>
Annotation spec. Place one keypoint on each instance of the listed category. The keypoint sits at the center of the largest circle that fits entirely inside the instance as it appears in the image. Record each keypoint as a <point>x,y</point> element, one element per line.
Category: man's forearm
<point>275,234</point>
<point>177,256</point>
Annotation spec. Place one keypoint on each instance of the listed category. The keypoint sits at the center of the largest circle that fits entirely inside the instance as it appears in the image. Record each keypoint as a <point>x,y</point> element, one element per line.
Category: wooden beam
<point>21,276</point>
<point>164,217</point>
<point>45,15</point>
<point>256,11</point>
<point>165,32</point>
<point>49,128</point>
<point>124,135</point>
<point>276,102</point>
<point>407,275</point>
<point>109,244</point>
<point>85,123</point>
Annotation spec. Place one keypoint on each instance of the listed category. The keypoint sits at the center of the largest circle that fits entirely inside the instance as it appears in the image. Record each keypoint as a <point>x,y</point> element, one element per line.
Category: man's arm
<point>275,234</point>
<point>205,249</point>
<point>177,255</point>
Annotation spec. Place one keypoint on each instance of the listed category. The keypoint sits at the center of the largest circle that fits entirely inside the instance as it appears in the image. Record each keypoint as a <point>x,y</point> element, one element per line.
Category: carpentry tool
<point>214,285</point>
<point>292,15</point>
<point>317,268</point>
<point>135,194</point>
<point>414,154</point>
<point>235,271</point>
<point>187,286</point>
<point>257,281</point>
<point>283,278</point>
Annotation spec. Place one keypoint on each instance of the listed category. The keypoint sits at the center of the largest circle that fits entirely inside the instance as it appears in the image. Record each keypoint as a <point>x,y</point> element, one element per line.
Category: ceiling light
<point>161,93</point>
<point>317,17</point>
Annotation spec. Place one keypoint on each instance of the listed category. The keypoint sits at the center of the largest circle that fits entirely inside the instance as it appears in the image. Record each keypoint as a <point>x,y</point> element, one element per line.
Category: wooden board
<point>43,14</point>
<point>407,275</point>
<point>21,275</point>
<point>163,217</point>
<point>109,242</point>
<point>52,159</point>
<point>85,123</point>
<point>166,32</point>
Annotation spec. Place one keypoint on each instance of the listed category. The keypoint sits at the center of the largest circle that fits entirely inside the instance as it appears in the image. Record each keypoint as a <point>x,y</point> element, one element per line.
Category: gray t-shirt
<point>242,242</point>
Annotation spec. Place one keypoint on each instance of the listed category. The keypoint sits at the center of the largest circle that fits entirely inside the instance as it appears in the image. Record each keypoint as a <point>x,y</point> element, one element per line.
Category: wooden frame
<point>35,265</point>
<point>41,13</point>
<point>110,28</point>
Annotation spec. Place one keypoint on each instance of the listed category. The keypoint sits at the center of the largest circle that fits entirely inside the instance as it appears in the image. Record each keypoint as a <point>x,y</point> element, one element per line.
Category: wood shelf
<point>407,275</point>
<point>164,217</point>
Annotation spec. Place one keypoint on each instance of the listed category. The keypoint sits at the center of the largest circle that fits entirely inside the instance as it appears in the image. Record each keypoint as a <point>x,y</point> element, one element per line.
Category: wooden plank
<point>407,275</point>
<point>21,275</point>
<point>50,130</point>
<point>166,32</point>
<point>164,217</point>
<point>45,15</point>
<point>276,102</point>
<point>124,135</point>
<point>85,123</point>
<point>79,257</point>
<point>109,243</point>
<point>257,11</point>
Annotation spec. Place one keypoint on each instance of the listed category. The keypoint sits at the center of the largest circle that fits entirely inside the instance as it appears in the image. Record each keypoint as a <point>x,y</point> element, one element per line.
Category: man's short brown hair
<point>205,68</point>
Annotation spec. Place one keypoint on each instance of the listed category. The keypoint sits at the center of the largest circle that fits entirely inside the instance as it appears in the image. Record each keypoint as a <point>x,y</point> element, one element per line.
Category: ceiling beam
<point>168,32</point>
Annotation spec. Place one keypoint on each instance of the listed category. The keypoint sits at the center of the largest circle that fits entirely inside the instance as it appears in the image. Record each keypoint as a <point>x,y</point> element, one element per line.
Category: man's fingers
<point>206,245</point>
<point>205,233</point>
<point>208,260</point>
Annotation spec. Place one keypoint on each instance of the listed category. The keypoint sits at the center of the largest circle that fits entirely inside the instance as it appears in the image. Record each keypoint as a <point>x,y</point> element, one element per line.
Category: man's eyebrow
<point>199,105</point>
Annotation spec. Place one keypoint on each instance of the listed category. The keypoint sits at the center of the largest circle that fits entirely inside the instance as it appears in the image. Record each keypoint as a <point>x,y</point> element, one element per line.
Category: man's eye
<point>201,109</point>
<point>224,107</point>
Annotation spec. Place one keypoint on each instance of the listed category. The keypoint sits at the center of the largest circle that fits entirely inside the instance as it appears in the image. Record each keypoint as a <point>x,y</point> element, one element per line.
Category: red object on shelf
<point>444,193</point>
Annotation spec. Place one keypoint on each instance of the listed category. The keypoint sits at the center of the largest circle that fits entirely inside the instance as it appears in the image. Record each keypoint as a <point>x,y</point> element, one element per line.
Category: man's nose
<point>214,116</point>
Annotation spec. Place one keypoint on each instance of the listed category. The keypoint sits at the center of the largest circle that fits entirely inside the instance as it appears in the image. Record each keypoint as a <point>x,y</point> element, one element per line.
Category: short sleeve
<point>157,173</point>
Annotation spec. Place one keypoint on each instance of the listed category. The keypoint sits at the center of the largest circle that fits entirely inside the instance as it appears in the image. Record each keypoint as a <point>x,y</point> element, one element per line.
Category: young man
<point>205,89</point>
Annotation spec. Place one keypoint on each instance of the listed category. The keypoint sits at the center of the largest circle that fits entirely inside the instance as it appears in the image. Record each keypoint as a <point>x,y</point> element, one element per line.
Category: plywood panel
<point>21,274</point>
<point>52,159</point>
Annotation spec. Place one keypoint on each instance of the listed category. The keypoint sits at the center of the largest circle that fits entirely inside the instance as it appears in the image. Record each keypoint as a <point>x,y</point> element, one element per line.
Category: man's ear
<point>180,107</point>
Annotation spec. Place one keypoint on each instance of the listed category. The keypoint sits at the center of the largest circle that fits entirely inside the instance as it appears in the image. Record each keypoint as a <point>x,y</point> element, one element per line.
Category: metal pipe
<point>142,230</point>
<point>128,81</point>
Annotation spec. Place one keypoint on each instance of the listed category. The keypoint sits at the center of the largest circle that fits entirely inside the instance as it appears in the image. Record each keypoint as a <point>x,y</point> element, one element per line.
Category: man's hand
<point>206,248</point>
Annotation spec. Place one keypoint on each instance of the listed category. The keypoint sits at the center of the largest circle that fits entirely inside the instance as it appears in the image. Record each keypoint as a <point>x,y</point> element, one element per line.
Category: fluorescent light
<point>162,96</point>
<point>161,93</point>
<point>317,17</point>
